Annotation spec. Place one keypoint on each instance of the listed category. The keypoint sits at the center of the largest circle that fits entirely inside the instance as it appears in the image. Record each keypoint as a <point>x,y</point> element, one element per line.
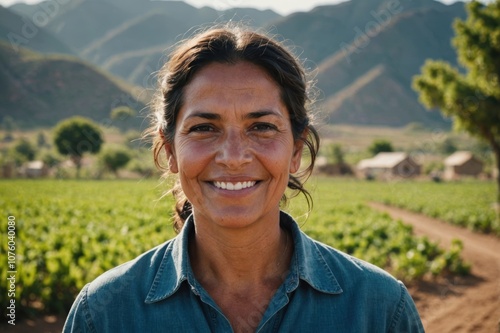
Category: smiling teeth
<point>234,187</point>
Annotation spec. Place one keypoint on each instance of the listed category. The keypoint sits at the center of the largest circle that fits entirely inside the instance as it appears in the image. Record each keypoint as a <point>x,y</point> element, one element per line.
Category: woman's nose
<point>233,151</point>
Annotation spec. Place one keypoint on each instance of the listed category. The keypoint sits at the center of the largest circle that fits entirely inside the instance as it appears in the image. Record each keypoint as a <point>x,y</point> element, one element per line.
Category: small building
<point>462,164</point>
<point>389,165</point>
<point>35,169</point>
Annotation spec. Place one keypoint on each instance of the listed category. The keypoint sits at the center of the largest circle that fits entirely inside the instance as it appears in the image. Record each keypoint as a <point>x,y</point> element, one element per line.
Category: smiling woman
<point>232,121</point>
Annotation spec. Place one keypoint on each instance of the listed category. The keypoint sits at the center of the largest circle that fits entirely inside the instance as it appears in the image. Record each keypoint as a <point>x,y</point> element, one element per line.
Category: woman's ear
<point>298,146</point>
<point>170,154</point>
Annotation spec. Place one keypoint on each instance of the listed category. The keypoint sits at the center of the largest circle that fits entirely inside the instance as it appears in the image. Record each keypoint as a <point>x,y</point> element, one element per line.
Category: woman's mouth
<point>234,186</point>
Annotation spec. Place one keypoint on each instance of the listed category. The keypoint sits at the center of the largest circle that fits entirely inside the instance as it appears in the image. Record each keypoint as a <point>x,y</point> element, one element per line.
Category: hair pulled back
<point>231,45</point>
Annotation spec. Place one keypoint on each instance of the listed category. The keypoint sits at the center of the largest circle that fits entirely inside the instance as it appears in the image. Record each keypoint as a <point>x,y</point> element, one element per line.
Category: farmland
<point>68,232</point>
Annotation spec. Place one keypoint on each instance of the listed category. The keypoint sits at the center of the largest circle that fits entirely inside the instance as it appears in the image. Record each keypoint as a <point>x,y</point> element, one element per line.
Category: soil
<point>459,304</point>
<point>467,304</point>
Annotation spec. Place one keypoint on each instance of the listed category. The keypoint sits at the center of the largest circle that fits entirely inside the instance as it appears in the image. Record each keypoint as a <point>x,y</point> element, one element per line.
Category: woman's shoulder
<point>352,272</point>
<point>362,289</point>
<point>135,275</point>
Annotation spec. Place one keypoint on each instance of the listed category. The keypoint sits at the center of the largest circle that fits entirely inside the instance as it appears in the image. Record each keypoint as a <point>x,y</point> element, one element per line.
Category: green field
<point>68,232</point>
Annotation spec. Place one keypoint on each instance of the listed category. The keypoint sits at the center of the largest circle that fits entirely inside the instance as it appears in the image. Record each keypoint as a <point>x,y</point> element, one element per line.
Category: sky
<point>283,7</point>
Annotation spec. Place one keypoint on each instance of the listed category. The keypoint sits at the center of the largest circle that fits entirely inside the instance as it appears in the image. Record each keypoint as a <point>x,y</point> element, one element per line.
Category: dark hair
<point>231,45</point>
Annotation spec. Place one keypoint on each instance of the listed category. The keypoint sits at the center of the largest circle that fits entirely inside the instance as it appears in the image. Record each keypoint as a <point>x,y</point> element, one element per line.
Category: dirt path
<point>470,304</point>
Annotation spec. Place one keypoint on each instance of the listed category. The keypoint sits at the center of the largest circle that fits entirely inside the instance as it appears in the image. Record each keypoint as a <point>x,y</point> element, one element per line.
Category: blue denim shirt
<point>325,290</point>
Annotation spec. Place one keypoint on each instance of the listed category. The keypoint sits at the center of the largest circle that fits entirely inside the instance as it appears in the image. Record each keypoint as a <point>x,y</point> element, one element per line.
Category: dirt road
<point>470,304</point>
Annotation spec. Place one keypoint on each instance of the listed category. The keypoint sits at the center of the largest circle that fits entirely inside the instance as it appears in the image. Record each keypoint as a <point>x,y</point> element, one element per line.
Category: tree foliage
<point>22,151</point>
<point>115,158</point>
<point>471,99</point>
<point>337,153</point>
<point>122,113</point>
<point>76,136</point>
<point>380,146</point>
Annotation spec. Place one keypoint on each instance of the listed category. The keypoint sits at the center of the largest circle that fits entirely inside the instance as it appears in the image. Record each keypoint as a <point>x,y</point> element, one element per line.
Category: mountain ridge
<point>356,48</point>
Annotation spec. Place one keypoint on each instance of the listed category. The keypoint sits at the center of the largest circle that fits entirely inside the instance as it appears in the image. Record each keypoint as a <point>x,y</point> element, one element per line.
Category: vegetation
<point>68,232</point>
<point>471,99</point>
<point>115,158</point>
<point>77,136</point>
<point>336,153</point>
<point>22,151</point>
<point>123,116</point>
<point>467,204</point>
<point>78,230</point>
<point>380,146</point>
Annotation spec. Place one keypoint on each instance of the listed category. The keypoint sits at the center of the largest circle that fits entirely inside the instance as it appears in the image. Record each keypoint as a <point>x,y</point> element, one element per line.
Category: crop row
<point>467,204</point>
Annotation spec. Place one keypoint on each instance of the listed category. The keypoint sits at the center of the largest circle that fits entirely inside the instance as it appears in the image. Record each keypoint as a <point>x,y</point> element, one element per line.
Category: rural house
<point>389,165</point>
<point>462,163</point>
<point>35,169</point>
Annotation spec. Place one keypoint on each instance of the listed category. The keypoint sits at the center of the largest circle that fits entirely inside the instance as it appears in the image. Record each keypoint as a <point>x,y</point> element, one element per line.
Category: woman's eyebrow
<point>205,115</point>
<point>250,115</point>
<point>263,113</point>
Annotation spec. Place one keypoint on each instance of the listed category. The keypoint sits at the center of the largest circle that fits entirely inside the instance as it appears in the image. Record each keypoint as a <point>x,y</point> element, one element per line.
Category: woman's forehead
<point>241,75</point>
<point>233,84</point>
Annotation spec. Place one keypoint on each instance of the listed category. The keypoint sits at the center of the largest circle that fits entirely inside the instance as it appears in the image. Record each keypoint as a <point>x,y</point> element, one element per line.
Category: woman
<point>232,121</point>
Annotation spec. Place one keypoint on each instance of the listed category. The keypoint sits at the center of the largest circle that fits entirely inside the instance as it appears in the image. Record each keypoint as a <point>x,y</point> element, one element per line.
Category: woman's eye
<point>201,128</point>
<point>264,127</point>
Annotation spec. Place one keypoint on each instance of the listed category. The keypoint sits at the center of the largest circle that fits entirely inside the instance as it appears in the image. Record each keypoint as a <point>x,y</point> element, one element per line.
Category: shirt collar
<point>308,264</point>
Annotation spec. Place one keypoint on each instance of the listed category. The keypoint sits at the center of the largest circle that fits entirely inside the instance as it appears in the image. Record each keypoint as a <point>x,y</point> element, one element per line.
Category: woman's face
<point>233,148</point>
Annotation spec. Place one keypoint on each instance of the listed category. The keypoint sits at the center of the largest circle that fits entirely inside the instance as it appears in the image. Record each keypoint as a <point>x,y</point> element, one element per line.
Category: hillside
<point>387,98</point>
<point>41,90</point>
<point>19,31</point>
<point>363,53</point>
<point>325,30</point>
<point>119,34</point>
<point>77,22</point>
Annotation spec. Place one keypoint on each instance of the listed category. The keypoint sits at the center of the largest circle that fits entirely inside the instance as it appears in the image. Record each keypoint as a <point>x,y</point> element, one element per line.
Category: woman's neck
<point>242,258</point>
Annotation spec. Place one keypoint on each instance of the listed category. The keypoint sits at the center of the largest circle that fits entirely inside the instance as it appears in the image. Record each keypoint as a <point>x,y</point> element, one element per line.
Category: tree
<point>41,141</point>
<point>122,114</point>
<point>115,158</point>
<point>472,99</point>
<point>447,146</point>
<point>337,153</point>
<point>22,151</point>
<point>76,136</point>
<point>379,146</point>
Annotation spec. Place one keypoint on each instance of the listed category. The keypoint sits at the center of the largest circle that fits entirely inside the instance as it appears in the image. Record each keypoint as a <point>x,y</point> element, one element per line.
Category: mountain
<point>128,38</point>
<point>77,22</point>
<point>325,30</point>
<point>363,53</point>
<point>20,31</point>
<point>397,62</point>
<point>40,90</point>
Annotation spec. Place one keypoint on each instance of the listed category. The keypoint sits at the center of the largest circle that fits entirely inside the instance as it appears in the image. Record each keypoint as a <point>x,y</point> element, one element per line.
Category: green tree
<point>337,153</point>
<point>41,141</point>
<point>76,136</point>
<point>115,158</point>
<point>22,151</point>
<point>471,99</point>
<point>380,146</point>
<point>122,115</point>
<point>447,146</point>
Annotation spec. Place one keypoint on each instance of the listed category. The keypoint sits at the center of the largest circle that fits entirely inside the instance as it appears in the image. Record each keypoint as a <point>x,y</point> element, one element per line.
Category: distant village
<point>400,165</point>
